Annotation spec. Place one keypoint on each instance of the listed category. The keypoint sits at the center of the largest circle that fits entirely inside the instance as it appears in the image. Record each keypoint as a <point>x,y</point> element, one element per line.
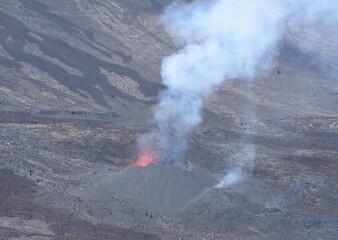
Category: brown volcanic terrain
<point>78,83</point>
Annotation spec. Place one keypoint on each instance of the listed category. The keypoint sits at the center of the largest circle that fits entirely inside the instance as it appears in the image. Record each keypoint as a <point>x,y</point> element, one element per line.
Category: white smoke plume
<point>235,175</point>
<point>219,40</point>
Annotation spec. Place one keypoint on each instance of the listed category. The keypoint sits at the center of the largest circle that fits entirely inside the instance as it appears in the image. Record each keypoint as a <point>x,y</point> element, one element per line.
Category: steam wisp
<point>235,175</point>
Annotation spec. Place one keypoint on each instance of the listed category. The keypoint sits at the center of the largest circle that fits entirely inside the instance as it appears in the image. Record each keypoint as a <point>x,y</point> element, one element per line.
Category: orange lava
<point>145,159</point>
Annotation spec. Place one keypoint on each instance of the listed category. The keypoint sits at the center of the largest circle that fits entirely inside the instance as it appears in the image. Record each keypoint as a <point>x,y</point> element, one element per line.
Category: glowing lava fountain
<point>145,159</point>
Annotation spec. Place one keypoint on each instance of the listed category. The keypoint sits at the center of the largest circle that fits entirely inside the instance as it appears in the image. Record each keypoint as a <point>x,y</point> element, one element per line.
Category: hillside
<point>79,81</point>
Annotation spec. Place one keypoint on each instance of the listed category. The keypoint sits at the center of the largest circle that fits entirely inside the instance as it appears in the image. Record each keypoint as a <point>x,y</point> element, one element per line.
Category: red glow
<point>145,159</point>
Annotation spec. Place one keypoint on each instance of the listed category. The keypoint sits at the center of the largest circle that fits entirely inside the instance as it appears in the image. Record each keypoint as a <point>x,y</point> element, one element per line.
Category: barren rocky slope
<point>79,55</point>
<point>78,83</point>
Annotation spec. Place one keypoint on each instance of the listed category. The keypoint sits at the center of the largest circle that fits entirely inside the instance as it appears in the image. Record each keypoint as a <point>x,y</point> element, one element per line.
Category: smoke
<point>235,175</point>
<point>218,40</point>
<point>307,12</point>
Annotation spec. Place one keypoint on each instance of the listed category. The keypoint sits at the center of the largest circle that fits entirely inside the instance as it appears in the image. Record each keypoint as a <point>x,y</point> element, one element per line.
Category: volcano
<point>157,187</point>
<point>79,82</point>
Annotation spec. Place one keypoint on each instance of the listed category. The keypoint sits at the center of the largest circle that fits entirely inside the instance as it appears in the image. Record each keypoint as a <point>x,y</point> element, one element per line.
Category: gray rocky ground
<point>78,84</point>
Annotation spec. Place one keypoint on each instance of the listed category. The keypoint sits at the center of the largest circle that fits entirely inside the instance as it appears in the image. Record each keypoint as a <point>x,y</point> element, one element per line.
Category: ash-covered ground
<point>78,86</point>
<point>73,178</point>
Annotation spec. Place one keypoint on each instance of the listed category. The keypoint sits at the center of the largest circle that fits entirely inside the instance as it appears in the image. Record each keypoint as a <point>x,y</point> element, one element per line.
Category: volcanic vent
<point>145,159</point>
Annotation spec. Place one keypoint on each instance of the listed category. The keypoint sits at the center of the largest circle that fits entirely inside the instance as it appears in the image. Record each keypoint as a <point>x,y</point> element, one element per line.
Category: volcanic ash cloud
<point>218,40</point>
